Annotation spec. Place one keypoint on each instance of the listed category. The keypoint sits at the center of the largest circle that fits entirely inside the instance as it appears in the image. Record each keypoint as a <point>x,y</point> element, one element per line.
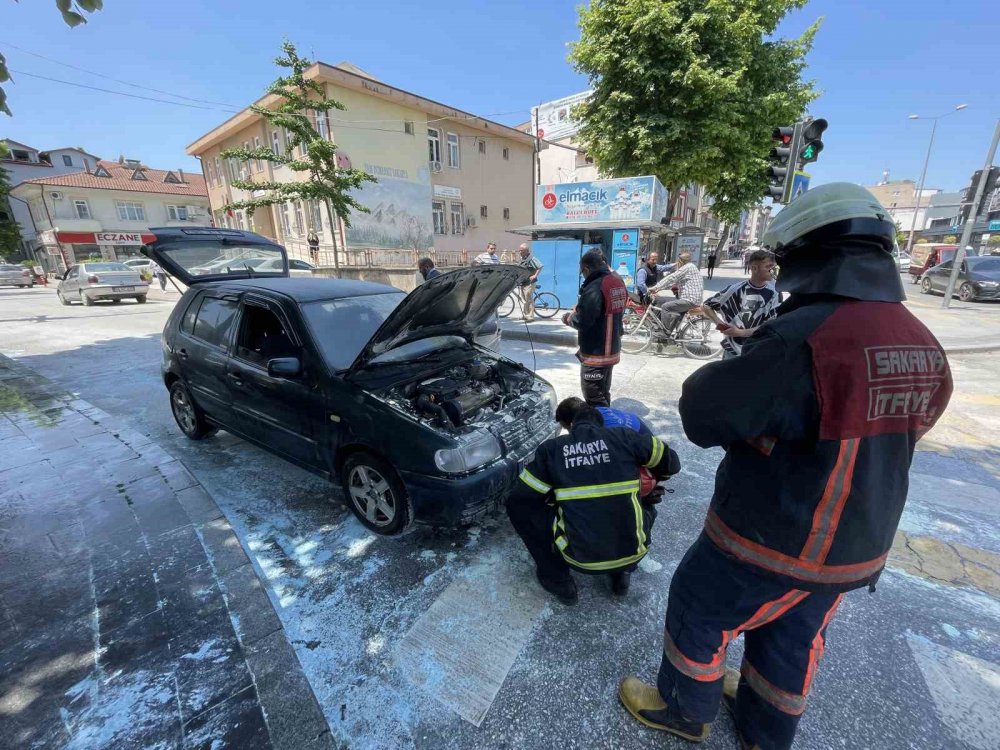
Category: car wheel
<point>116,302</point>
<point>21,286</point>
<point>188,416</point>
<point>87,301</point>
<point>925,286</point>
<point>61,298</point>
<point>966,293</point>
<point>375,494</point>
<point>141,299</point>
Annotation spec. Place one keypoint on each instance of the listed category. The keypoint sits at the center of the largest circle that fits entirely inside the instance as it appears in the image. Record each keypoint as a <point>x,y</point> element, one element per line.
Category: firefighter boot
<point>730,686</point>
<point>563,589</point>
<point>620,581</point>
<point>645,704</point>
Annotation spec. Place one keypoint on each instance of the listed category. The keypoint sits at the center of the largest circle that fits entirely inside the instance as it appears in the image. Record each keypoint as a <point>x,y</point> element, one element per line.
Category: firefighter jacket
<point>598,319</point>
<point>819,416</point>
<point>592,476</point>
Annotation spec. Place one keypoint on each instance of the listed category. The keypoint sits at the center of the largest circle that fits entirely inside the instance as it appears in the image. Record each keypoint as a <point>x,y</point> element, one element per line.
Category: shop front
<point>63,249</point>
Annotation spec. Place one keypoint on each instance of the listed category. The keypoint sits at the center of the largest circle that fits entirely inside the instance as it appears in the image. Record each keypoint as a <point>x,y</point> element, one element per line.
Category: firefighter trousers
<point>595,383</point>
<point>713,599</point>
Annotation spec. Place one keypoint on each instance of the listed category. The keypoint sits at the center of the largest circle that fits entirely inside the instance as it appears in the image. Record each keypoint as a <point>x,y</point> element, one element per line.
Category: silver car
<point>89,282</point>
<point>14,275</point>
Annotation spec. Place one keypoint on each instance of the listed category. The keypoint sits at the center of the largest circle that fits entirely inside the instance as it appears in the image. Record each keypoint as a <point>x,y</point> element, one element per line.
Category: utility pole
<point>920,190</point>
<point>971,221</point>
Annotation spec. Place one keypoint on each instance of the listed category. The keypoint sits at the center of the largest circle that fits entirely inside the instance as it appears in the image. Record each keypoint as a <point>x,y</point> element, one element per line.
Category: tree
<point>72,14</point>
<point>10,234</point>
<point>689,91</point>
<point>326,182</point>
<point>900,235</point>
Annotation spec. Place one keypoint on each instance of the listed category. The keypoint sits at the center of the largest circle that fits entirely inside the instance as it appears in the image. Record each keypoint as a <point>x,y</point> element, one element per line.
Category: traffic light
<point>812,143</point>
<point>782,162</point>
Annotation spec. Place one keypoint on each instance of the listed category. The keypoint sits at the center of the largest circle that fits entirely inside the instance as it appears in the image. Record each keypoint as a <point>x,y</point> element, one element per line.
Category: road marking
<point>461,649</point>
<point>965,690</point>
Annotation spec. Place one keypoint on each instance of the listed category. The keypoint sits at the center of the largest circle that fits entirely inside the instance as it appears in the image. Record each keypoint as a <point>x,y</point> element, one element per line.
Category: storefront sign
<point>691,243</point>
<point>446,191</point>
<point>625,239</point>
<point>624,200</point>
<point>555,119</point>
<point>105,238</point>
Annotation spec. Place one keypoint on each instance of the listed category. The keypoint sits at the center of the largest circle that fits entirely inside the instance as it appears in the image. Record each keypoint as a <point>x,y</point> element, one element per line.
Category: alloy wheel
<point>372,495</point>
<point>183,410</point>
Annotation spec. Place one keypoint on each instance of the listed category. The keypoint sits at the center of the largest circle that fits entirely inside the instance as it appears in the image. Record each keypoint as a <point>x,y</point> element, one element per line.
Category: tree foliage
<point>325,181</point>
<point>690,90</point>
<point>72,14</point>
<point>9,232</point>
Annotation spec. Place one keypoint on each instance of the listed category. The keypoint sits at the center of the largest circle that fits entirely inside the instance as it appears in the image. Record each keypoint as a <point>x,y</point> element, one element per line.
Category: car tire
<point>966,293</point>
<point>186,413</point>
<point>375,494</point>
<point>925,286</point>
<point>62,299</point>
<point>141,299</point>
<point>87,301</point>
<point>116,302</point>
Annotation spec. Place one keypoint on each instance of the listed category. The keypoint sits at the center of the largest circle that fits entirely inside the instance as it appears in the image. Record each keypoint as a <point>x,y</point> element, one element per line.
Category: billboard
<point>623,200</point>
<point>555,119</point>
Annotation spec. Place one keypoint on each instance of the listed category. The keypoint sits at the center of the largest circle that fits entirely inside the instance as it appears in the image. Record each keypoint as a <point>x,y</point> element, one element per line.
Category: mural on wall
<point>399,211</point>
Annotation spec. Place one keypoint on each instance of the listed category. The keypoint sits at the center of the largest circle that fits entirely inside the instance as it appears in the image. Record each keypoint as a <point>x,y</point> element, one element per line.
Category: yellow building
<point>447,180</point>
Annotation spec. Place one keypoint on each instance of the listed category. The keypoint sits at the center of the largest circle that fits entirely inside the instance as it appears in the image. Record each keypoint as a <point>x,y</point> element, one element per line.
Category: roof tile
<point>121,179</point>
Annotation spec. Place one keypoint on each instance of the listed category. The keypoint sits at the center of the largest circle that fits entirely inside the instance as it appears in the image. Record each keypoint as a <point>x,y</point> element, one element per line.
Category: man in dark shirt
<point>427,269</point>
<point>649,273</point>
<point>741,308</point>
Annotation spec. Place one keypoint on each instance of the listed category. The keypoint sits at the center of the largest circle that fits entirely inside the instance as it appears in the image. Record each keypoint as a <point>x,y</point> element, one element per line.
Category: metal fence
<point>323,256</point>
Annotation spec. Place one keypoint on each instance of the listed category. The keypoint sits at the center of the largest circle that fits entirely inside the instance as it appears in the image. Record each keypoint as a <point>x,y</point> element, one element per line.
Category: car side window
<point>299,265</point>
<point>262,336</point>
<point>72,272</point>
<point>214,320</point>
<point>187,322</point>
<point>946,266</point>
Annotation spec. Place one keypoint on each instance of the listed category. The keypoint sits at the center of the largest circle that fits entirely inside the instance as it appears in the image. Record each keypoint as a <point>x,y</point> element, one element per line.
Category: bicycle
<point>696,335</point>
<point>546,304</point>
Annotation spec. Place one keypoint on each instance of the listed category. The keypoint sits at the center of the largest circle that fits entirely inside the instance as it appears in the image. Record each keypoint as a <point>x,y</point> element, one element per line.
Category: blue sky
<point>875,61</point>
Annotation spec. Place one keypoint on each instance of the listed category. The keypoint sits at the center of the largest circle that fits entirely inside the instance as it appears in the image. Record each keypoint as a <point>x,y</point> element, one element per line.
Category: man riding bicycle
<point>691,292</point>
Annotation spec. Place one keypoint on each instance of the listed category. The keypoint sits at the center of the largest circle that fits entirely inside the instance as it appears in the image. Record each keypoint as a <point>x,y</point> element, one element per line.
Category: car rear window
<point>106,267</point>
<point>214,319</point>
<point>986,264</point>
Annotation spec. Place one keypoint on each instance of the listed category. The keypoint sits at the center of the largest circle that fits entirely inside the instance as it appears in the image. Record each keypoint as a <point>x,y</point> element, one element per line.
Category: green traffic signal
<point>808,152</point>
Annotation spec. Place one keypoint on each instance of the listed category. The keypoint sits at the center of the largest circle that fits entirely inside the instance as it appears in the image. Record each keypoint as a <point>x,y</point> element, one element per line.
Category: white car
<point>139,264</point>
<point>296,267</point>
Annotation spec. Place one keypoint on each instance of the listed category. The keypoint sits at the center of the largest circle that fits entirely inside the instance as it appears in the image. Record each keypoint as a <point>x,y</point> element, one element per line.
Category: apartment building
<point>107,212</point>
<point>446,179</point>
<point>900,199</point>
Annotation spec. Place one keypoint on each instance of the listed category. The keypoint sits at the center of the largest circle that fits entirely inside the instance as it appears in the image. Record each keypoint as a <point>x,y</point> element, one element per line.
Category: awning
<point>582,226</point>
<point>105,238</point>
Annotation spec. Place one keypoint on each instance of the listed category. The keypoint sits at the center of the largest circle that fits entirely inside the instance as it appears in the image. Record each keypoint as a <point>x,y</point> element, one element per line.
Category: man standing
<point>713,255</point>
<point>577,503</point>
<point>160,274</point>
<point>690,287</point>
<point>529,261</point>
<point>427,270</point>
<point>648,274</point>
<point>312,239</point>
<point>489,257</point>
<point>741,308</point>
<point>834,394</point>
<point>597,318</point>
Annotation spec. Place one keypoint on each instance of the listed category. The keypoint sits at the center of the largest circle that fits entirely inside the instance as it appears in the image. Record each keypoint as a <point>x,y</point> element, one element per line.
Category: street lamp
<point>923,174</point>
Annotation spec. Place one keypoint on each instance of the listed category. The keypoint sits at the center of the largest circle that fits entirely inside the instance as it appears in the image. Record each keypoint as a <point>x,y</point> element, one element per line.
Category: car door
<point>71,284</point>
<point>285,414</point>
<point>939,276</point>
<point>202,352</point>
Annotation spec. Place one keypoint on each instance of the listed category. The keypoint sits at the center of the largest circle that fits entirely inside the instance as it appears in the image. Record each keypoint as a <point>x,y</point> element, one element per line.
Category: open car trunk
<point>204,254</point>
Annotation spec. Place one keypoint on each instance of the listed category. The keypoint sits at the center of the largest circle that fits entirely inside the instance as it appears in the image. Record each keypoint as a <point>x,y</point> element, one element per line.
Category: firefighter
<point>597,318</point>
<point>834,393</point>
<point>577,503</point>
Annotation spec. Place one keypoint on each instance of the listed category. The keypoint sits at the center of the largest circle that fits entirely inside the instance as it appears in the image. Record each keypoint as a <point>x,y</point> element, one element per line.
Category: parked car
<point>357,382</point>
<point>927,255</point>
<point>110,280</point>
<point>296,267</point>
<point>978,278</point>
<point>139,264</point>
<point>14,275</point>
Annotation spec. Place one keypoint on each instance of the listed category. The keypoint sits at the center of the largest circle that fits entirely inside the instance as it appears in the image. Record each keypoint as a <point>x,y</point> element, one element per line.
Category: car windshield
<point>342,327</point>
<point>419,349</point>
<point>213,257</point>
<point>105,267</point>
<point>7,267</point>
<point>985,265</point>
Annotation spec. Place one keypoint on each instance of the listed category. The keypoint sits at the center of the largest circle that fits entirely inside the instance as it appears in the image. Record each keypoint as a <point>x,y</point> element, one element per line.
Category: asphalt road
<point>401,638</point>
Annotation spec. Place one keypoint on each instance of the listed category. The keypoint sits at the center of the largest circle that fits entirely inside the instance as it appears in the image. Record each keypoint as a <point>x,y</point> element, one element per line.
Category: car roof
<point>304,290</point>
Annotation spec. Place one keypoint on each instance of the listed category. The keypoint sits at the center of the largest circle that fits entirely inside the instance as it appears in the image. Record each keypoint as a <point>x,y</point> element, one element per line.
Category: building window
<point>454,153</point>
<point>288,142</point>
<point>82,209</point>
<point>234,170</point>
<point>323,125</point>
<point>177,213</point>
<point>506,153</point>
<point>130,211</point>
<point>457,218</point>
<point>506,213</point>
<point>67,160</point>
<point>245,166</point>
<point>220,178</point>
<point>286,225</point>
<point>300,219</point>
<point>483,212</point>
<point>220,219</point>
<point>482,147</point>
<point>315,207</point>
<point>18,155</point>
<point>434,144</point>
<point>240,224</point>
<point>408,127</point>
<point>257,162</point>
<point>276,143</point>
<point>87,164</point>
<point>437,211</point>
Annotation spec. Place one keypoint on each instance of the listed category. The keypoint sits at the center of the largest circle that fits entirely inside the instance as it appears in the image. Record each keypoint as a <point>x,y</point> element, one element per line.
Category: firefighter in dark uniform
<point>597,318</point>
<point>833,395</point>
<point>577,504</point>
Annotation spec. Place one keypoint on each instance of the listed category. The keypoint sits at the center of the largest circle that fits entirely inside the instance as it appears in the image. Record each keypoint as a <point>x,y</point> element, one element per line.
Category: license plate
<point>123,289</point>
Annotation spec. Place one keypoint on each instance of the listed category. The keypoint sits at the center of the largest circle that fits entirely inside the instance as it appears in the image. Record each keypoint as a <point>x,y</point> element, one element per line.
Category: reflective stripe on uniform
<point>657,454</point>
<point>534,482</point>
<point>597,490</point>
<point>818,646</point>
<point>826,518</point>
<point>786,702</point>
<point>604,564</point>
<point>699,671</point>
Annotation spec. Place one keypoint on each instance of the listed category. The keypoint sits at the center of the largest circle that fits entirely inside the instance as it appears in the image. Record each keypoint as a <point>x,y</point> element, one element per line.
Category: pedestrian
<point>576,505</point>
<point>160,274</point>
<point>833,395</point>
<point>741,308</point>
<point>597,318</point>
<point>648,274</point>
<point>690,292</point>
<point>489,257</point>
<point>532,263</point>
<point>713,255</point>
<point>313,241</point>
<point>427,269</point>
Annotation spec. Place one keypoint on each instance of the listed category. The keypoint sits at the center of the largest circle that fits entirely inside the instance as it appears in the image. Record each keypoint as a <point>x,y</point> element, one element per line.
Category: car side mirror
<point>284,367</point>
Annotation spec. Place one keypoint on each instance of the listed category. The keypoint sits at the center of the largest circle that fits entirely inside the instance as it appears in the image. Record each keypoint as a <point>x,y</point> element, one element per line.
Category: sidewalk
<point>129,614</point>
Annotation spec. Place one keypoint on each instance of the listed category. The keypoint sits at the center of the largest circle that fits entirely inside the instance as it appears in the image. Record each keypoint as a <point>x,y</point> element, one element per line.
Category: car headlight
<point>553,402</point>
<point>477,449</point>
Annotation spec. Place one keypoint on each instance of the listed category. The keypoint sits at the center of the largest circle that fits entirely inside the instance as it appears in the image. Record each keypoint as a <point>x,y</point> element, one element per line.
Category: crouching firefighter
<point>577,504</point>
<point>834,394</point>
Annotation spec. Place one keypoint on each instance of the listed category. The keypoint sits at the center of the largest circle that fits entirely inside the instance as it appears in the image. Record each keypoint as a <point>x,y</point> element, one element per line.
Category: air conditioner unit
<point>54,195</point>
<point>435,166</point>
<point>470,222</point>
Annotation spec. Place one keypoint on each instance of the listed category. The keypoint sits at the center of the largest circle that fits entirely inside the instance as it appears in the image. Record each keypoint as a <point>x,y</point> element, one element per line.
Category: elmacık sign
<point>638,199</point>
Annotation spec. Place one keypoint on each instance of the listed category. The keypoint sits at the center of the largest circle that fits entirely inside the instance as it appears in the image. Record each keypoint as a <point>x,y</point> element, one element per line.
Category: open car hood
<point>454,303</point>
<point>198,255</point>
